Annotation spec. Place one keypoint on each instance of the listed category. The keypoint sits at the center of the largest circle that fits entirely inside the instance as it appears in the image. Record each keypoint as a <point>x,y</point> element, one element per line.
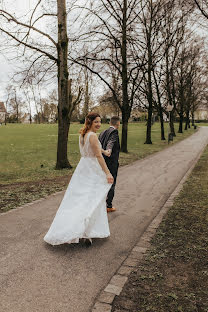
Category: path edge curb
<point>103,302</point>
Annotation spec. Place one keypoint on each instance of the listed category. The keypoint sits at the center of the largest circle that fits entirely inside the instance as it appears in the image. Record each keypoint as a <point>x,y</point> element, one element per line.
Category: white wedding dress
<point>82,212</point>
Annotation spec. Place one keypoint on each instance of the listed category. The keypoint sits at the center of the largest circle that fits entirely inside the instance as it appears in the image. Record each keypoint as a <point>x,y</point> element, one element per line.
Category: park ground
<point>70,277</point>
<point>28,155</point>
<point>173,277</point>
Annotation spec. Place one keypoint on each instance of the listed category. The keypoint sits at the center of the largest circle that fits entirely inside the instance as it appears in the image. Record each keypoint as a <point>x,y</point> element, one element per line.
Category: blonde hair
<point>88,123</point>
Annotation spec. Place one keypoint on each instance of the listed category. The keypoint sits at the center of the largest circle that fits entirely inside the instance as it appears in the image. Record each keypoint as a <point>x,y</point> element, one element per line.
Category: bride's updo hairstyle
<point>88,122</point>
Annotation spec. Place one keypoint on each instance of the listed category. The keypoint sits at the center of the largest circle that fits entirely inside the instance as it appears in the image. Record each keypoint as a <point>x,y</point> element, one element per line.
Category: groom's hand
<point>110,178</point>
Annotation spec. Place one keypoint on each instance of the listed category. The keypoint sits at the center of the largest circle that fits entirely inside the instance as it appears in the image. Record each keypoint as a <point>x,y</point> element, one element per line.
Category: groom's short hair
<point>114,120</point>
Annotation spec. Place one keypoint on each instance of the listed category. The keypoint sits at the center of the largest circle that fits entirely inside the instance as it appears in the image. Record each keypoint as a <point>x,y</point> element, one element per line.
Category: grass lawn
<point>28,155</point>
<point>199,124</point>
<point>173,277</point>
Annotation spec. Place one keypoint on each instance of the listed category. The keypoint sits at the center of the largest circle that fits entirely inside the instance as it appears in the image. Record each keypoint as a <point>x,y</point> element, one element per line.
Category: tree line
<point>145,54</point>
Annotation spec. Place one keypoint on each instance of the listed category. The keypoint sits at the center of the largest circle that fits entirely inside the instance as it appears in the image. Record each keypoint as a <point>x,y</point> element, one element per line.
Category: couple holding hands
<point>82,213</point>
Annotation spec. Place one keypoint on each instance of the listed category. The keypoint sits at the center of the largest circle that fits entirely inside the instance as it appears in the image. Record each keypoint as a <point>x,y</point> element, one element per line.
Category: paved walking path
<point>37,277</point>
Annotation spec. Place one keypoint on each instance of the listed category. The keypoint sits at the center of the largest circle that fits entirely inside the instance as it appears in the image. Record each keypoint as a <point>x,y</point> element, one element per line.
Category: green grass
<point>24,148</point>
<point>173,276</point>
<point>201,124</point>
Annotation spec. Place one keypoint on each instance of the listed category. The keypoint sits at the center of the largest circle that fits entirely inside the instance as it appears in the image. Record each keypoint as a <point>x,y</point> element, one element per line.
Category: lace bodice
<point>85,148</point>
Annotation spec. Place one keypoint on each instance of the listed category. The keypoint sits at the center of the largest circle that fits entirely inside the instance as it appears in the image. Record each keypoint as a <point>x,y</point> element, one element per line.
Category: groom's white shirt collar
<point>113,127</point>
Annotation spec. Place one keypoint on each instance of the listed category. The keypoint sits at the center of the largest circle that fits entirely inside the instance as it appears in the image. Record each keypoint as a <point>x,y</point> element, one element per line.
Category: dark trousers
<point>114,171</point>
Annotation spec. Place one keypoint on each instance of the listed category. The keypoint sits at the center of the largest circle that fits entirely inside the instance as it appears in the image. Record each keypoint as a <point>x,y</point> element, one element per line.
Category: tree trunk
<point>188,117</point>
<point>149,127</point>
<point>173,97</point>
<point>162,124</point>
<point>181,103</point>
<point>180,130</point>
<point>187,121</point>
<point>17,106</point>
<point>63,96</point>
<point>186,126</point>
<point>150,108</point>
<point>192,119</point>
<point>125,110</point>
<point>160,110</point>
<point>124,132</point>
<point>172,128</point>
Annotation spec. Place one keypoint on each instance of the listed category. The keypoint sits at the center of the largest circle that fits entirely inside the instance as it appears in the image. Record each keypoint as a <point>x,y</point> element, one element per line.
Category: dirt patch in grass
<point>17,194</point>
<point>173,277</point>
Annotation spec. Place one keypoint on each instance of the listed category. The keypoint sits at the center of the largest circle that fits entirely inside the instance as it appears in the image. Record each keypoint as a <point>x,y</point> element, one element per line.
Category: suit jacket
<point>109,139</point>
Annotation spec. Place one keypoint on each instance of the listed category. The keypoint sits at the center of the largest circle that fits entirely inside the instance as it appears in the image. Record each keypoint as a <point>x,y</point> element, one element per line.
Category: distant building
<point>26,118</point>
<point>201,113</point>
<point>106,110</point>
<point>138,114</point>
<point>2,112</point>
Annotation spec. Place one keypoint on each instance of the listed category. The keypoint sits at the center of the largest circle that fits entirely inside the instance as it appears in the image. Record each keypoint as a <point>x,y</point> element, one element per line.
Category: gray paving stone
<point>136,255</point>
<point>154,225</point>
<point>145,238</point>
<point>106,297</point>
<point>139,249</point>
<point>144,243</point>
<point>102,307</point>
<point>163,212</point>
<point>118,280</point>
<point>131,262</point>
<point>150,231</point>
<point>125,270</point>
<point>113,289</point>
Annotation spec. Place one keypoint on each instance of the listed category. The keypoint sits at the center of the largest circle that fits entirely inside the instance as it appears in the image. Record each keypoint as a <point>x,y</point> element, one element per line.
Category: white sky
<point>7,69</point>
<point>18,7</point>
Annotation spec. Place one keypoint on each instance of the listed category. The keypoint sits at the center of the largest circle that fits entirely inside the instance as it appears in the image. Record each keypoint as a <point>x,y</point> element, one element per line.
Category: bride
<point>82,212</point>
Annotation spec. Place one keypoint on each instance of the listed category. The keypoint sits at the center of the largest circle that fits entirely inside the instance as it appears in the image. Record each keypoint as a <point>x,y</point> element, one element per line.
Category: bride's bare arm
<point>98,153</point>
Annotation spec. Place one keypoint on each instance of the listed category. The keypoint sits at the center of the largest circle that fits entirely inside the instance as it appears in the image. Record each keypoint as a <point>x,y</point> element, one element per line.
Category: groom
<point>109,140</point>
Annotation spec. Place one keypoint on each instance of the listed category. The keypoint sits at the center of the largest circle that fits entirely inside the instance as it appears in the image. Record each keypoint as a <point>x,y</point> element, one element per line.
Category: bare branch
<point>50,56</point>
<point>10,17</point>
<point>102,78</point>
<point>201,9</point>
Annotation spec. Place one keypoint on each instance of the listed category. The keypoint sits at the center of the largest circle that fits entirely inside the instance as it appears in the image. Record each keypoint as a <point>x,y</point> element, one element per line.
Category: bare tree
<point>173,35</point>
<point>9,90</point>
<point>151,21</point>
<point>28,99</point>
<point>25,35</point>
<point>159,90</point>
<point>113,34</point>
<point>197,81</point>
<point>16,105</point>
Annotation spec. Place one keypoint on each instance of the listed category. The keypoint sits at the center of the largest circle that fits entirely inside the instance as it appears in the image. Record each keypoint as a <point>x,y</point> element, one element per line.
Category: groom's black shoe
<point>112,209</point>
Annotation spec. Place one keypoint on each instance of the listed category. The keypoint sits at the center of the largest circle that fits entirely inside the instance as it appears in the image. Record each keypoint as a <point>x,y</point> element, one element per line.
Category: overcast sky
<point>19,7</point>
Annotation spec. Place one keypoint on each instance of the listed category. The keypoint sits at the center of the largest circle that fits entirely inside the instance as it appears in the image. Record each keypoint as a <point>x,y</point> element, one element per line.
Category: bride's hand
<point>109,178</point>
<point>107,153</point>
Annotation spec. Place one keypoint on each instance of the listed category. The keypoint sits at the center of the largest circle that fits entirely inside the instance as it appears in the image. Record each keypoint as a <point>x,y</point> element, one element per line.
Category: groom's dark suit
<point>109,139</point>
